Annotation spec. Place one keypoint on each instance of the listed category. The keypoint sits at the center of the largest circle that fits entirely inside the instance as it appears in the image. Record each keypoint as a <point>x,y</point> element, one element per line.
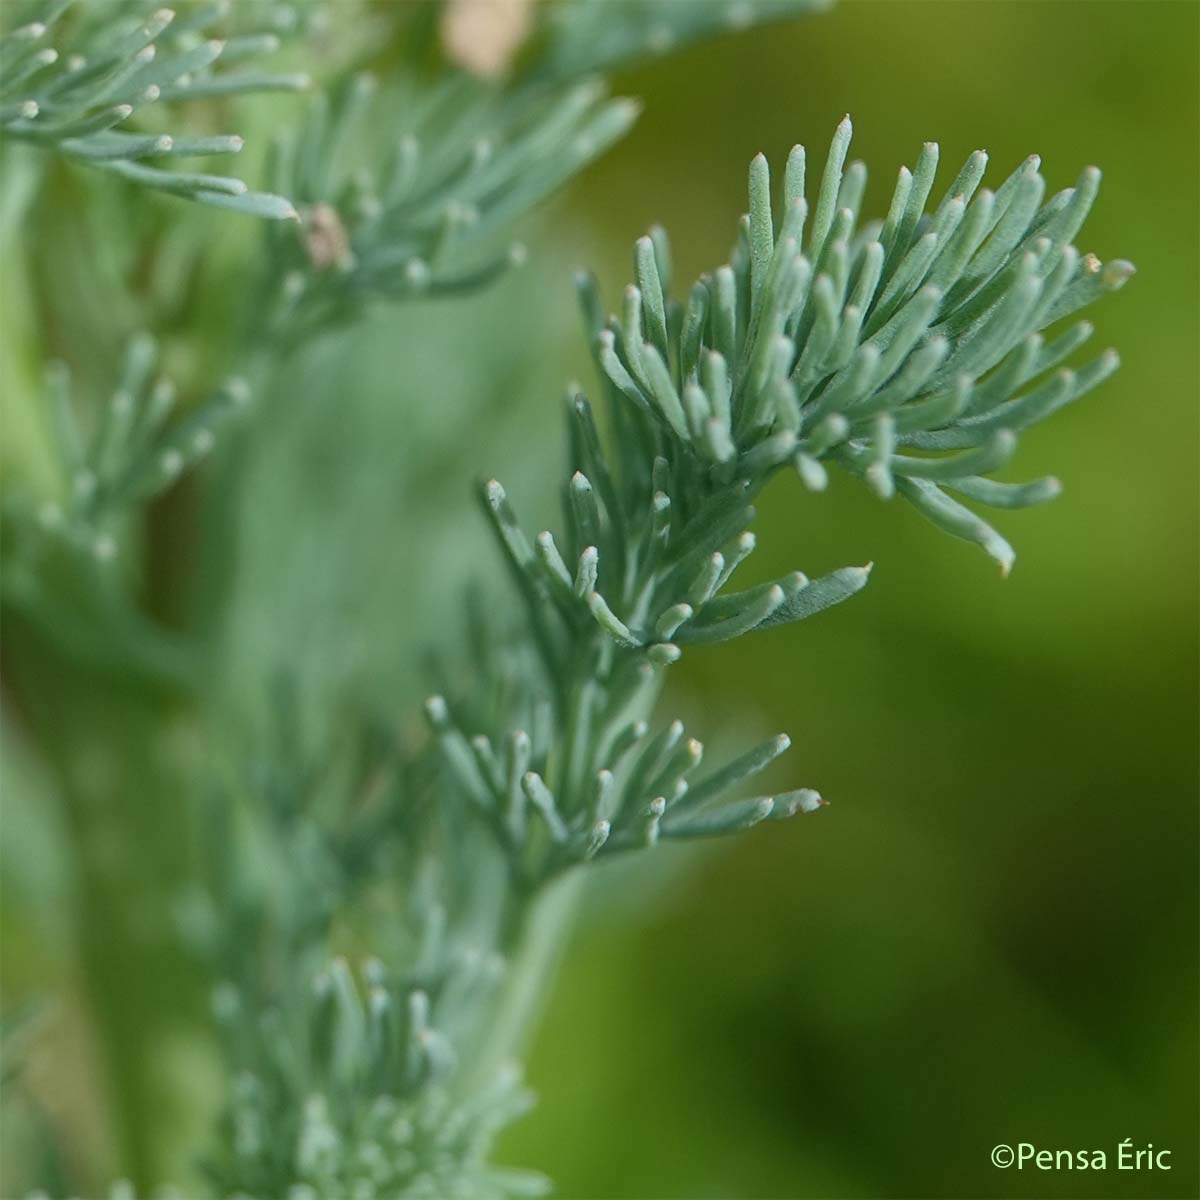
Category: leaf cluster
<point>76,97</point>
<point>823,339</point>
<point>464,160</point>
<point>909,350</point>
<point>65,571</point>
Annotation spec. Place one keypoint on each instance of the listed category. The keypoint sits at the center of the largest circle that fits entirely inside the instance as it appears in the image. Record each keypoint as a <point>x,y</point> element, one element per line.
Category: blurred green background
<point>991,933</point>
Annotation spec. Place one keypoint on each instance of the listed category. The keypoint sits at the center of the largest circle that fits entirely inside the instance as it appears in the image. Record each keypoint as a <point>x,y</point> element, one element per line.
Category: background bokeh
<point>990,935</point>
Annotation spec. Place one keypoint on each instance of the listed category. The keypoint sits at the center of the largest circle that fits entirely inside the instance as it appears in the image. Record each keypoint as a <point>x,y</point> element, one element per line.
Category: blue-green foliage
<point>908,350</point>
<point>68,568</point>
<point>462,161</point>
<point>876,345</point>
<point>827,339</point>
<point>112,65</point>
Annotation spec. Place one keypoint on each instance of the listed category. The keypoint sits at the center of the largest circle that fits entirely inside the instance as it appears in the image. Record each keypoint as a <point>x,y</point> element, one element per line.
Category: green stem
<point>532,939</point>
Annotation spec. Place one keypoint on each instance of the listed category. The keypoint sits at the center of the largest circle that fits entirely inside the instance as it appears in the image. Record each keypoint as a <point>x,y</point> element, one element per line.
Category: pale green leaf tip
<point>1117,273</point>
<point>1002,552</point>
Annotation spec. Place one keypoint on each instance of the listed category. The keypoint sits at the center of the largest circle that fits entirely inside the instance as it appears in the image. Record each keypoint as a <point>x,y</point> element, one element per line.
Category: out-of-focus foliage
<point>461,163</point>
<point>61,567</point>
<point>73,92</point>
<point>596,35</point>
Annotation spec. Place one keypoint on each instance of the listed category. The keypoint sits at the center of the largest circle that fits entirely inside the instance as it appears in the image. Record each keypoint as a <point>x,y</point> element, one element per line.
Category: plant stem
<point>532,938</point>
